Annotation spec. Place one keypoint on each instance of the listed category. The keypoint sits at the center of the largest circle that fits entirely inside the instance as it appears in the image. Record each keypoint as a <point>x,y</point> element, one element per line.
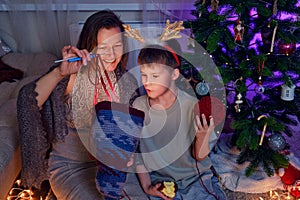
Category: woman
<point>51,146</point>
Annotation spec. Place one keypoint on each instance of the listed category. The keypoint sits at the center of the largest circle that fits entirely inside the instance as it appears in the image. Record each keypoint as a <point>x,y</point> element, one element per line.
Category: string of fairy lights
<point>18,193</point>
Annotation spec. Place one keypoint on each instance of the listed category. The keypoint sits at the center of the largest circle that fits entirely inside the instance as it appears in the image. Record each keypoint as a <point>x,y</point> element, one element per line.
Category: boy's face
<point>158,78</point>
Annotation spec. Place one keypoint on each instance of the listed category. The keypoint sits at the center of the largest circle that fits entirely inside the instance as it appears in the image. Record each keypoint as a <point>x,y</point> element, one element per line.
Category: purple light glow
<point>253,13</point>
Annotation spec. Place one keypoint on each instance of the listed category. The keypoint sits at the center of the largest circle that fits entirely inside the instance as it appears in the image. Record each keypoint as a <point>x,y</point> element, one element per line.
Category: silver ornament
<point>202,88</point>
<point>276,142</point>
<point>260,89</point>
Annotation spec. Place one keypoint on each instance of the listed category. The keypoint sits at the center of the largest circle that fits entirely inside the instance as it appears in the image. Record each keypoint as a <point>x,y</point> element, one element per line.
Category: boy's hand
<point>203,129</point>
<point>203,132</point>
<point>153,191</point>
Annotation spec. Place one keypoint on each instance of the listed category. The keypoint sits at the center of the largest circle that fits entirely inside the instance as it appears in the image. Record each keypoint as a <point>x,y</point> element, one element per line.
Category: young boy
<point>174,143</point>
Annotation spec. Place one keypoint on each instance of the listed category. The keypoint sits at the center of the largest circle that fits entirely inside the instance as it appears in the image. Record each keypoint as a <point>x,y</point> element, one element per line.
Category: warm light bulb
<point>18,182</point>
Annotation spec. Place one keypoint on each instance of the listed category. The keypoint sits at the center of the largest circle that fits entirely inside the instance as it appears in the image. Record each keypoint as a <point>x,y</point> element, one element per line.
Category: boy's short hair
<point>158,54</point>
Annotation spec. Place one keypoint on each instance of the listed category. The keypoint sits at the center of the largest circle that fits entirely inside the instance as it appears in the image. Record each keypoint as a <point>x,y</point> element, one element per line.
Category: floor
<point>294,142</point>
<point>278,194</point>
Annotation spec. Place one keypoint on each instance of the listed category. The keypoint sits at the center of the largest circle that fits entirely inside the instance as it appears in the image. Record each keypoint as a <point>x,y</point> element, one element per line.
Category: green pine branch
<point>253,59</point>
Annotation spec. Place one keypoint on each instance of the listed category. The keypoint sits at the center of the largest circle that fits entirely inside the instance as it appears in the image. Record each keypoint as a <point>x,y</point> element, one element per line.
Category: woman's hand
<point>66,67</point>
<point>153,191</point>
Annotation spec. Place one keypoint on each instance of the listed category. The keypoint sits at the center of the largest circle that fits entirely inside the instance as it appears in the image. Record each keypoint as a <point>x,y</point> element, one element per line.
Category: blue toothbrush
<point>74,59</point>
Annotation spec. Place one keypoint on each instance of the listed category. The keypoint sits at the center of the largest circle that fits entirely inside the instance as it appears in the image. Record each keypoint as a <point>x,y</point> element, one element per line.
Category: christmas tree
<point>254,46</point>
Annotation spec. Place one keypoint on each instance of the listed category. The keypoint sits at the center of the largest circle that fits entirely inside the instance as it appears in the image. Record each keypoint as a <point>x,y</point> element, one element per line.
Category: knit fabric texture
<point>40,128</point>
<point>116,137</point>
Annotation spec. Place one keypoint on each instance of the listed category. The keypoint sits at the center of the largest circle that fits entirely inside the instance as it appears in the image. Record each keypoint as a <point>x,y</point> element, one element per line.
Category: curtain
<point>39,25</point>
<point>44,25</point>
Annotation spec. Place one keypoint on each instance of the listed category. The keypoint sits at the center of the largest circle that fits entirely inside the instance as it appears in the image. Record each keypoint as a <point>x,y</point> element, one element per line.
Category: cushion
<point>8,73</point>
<point>9,139</point>
<point>42,63</point>
<point>10,160</point>
<point>8,115</point>
<point>8,88</point>
<point>21,83</point>
<point>10,44</point>
<point>2,49</point>
<point>30,63</point>
<point>18,60</point>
